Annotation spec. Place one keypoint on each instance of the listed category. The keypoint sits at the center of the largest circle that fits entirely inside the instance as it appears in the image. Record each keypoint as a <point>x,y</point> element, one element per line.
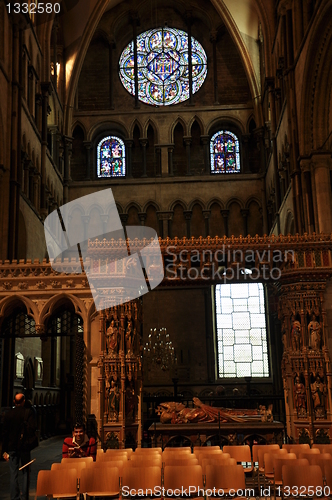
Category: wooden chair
<point>310,456</point>
<point>177,449</point>
<point>241,454</point>
<point>87,460</point>
<point>145,451</point>
<point>278,462</point>
<point>180,455</point>
<point>298,451</point>
<point>198,448</point>
<point>209,453</point>
<point>94,482</point>
<point>105,464</point>
<point>226,478</point>
<point>327,449</point>
<point>320,447</point>
<point>220,461</point>
<point>57,483</point>
<point>109,457</point>
<point>147,479</point>
<point>269,464</point>
<point>78,466</point>
<point>179,461</point>
<point>303,447</point>
<point>186,479</point>
<point>322,459</point>
<point>212,456</point>
<point>257,447</point>
<point>301,477</point>
<point>328,478</point>
<point>145,462</point>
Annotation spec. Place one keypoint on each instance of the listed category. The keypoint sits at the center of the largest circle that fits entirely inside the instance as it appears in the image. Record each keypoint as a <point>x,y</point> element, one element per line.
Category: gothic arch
<point>197,201</point>
<point>314,115</point>
<point>217,201</point>
<point>200,123</point>
<point>234,200</point>
<point>132,127</point>
<point>133,204</point>
<point>8,304</point>
<point>174,124</point>
<point>78,123</point>
<point>224,122</point>
<point>151,203</point>
<point>251,199</point>
<point>99,129</point>
<point>151,123</point>
<point>178,202</point>
<point>53,303</point>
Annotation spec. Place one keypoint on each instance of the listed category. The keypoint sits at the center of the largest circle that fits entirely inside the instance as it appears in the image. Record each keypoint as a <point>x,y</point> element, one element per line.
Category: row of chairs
<point>148,481</point>
<point>298,479</point>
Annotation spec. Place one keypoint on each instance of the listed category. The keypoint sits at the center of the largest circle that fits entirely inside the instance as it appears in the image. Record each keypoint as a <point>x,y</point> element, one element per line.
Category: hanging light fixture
<point>159,349</point>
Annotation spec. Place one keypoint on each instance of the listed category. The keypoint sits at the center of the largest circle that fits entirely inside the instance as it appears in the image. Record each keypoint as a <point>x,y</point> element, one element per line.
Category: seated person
<point>79,445</point>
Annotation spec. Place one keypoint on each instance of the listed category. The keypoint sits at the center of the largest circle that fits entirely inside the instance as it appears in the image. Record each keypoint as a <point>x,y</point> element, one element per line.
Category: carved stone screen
<point>241,331</point>
<point>163,66</point>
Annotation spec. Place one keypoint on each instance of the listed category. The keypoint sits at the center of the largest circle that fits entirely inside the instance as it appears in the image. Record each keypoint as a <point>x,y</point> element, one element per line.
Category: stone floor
<point>48,451</point>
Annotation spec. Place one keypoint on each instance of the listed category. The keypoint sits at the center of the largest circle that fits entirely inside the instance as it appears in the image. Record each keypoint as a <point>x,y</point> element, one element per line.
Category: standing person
<point>17,421</point>
<point>79,445</point>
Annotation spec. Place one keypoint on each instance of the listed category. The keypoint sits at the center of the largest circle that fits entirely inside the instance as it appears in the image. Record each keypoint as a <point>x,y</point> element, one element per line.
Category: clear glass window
<point>241,330</point>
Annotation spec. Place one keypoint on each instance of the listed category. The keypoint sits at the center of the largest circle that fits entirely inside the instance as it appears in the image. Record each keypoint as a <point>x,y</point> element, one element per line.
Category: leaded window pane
<point>241,327</point>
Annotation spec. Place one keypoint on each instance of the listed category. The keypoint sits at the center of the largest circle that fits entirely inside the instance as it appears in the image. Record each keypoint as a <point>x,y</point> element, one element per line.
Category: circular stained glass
<point>162,66</point>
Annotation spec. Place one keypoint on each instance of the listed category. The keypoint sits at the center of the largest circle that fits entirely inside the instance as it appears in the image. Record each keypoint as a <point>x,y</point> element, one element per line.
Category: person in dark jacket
<point>15,420</point>
<point>79,445</point>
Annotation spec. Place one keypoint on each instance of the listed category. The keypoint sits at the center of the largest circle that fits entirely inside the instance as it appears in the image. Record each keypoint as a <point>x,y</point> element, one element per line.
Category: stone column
<point>321,165</point>
<point>270,85</point>
<point>309,225</point>
<point>66,177</point>
<point>88,147</point>
<point>187,215</point>
<point>245,153</point>
<point>144,143</point>
<point>158,161</point>
<point>225,214</point>
<point>123,218</point>
<point>187,142</point>
<point>165,217</point>
<point>142,218</point>
<point>245,213</point>
<point>46,90</point>
<point>129,144</point>
<point>170,160</point>
<point>205,139</point>
<point>207,215</point>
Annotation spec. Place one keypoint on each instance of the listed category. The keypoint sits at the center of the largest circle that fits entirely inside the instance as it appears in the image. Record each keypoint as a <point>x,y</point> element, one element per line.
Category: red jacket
<point>70,449</point>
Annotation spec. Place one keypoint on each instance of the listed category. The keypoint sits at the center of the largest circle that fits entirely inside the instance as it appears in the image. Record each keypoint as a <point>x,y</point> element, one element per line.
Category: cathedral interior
<point>211,124</point>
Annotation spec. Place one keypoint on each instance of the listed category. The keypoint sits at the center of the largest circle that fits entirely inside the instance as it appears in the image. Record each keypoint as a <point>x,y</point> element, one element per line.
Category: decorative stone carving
<point>318,393</point>
<point>300,397</point>
<point>314,333</point>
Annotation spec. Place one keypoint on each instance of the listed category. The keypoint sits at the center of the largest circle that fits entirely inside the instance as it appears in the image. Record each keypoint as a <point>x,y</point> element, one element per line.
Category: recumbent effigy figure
<point>178,413</point>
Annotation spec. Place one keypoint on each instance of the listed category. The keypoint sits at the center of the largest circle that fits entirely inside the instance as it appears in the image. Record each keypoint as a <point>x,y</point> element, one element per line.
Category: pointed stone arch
<point>8,304</point>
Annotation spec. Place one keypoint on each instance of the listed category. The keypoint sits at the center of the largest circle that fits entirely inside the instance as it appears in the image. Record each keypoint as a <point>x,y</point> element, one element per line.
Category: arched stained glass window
<point>111,159</point>
<point>224,153</point>
<point>162,66</point>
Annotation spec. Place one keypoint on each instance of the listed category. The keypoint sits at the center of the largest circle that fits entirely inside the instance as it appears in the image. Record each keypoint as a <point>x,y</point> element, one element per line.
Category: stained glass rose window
<point>162,66</point>
<point>224,153</point>
<point>111,161</point>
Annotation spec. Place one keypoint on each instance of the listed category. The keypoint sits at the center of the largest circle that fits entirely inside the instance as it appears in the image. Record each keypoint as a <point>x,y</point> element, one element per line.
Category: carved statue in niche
<point>113,402</point>
<point>296,335</point>
<point>300,397</point>
<point>131,402</point>
<point>129,337</point>
<point>315,333</point>
<point>112,338</point>
<point>318,393</point>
